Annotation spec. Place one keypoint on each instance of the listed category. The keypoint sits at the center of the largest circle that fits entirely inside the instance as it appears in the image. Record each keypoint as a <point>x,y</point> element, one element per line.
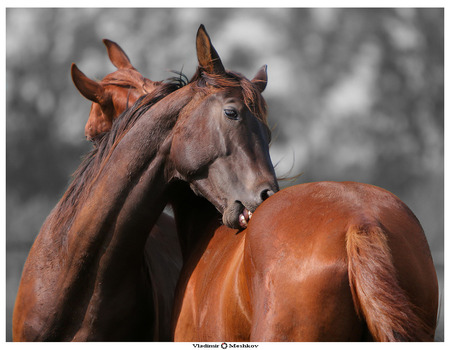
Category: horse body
<point>318,262</point>
<point>86,277</point>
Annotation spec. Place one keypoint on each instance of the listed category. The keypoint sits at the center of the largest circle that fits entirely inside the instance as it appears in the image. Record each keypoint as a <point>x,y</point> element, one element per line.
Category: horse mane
<point>251,95</point>
<point>104,144</point>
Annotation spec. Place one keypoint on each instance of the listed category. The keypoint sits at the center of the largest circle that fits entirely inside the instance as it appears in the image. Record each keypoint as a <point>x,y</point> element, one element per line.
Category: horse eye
<point>231,113</point>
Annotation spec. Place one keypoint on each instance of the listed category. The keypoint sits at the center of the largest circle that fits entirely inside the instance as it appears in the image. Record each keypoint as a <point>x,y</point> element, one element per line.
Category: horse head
<point>114,94</point>
<point>221,139</point>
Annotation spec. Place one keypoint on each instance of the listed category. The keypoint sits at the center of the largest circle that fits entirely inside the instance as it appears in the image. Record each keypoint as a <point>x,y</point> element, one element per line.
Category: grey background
<point>353,94</point>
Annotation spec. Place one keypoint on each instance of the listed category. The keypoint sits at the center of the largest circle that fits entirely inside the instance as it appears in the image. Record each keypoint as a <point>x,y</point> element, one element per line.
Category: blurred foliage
<point>353,94</point>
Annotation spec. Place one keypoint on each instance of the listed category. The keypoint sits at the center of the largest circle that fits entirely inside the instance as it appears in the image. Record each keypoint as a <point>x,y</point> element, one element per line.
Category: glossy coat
<point>318,262</point>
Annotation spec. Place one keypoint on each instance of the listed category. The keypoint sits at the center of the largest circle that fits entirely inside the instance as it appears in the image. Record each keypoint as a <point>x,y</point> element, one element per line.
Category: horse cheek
<point>188,156</point>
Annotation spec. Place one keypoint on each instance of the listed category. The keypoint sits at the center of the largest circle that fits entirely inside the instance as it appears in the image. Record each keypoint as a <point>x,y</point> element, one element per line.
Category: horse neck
<point>93,242</point>
<point>195,217</point>
<point>129,192</point>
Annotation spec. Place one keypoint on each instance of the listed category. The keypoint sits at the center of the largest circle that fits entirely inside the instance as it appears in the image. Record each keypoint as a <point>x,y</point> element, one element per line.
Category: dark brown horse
<point>85,277</point>
<point>118,91</point>
<point>318,262</point>
<point>215,303</point>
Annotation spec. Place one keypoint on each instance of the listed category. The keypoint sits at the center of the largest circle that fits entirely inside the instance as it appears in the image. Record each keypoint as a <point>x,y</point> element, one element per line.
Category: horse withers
<point>85,277</point>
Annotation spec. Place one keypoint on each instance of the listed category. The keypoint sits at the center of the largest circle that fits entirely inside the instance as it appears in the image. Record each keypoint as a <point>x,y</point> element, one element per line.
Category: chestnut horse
<point>117,91</point>
<point>114,94</point>
<point>321,261</point>
<point>86,277</point>
<point>303,281</point>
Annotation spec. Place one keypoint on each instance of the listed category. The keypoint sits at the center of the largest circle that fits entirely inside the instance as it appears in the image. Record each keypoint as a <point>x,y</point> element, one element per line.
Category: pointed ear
<point>90,89</point>
<point>208,59</point>
<point>117,56</point>
<point>260,79</point>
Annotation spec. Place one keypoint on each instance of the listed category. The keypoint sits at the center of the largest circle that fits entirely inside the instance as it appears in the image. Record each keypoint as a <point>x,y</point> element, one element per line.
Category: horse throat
<point>196,218</point>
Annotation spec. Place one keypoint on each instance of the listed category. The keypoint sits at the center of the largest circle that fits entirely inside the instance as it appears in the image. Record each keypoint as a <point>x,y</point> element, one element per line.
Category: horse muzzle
<point>239,213</point>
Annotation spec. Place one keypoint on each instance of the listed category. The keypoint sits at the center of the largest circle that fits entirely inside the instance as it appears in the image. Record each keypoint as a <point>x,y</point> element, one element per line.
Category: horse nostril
<point>266,194</point>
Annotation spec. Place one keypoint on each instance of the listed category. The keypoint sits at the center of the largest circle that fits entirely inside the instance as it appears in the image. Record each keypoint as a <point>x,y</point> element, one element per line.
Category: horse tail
<point>377,294</point>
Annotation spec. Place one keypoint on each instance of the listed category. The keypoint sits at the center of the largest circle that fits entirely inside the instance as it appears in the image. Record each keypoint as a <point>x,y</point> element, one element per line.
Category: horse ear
<point>87,87</point>
<point>117,56</point>
<point>260,79</point>
<point>208,58</point>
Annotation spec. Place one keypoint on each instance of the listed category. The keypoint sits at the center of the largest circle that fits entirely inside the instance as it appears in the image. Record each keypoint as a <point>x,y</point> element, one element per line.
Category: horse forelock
<point>250,94</point>
<point>125,78</point>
